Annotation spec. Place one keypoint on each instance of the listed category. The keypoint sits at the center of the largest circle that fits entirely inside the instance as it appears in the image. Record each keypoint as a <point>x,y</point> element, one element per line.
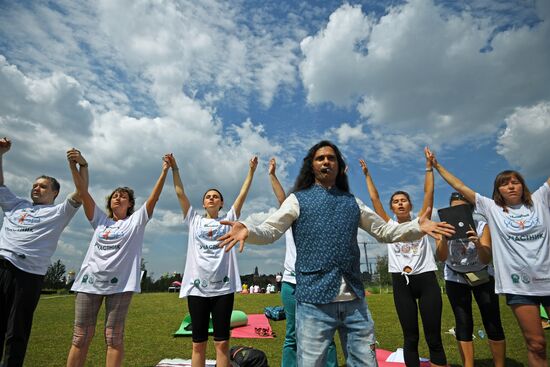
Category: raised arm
<point>455,182</point>
<point>239,201</point>
<point>275,184</point>
<point>5,145</point>
<point>373,192</point>
<point>157,190</point>
<point>428,184</point>
<point>178,185</point>
<point>80,179</point>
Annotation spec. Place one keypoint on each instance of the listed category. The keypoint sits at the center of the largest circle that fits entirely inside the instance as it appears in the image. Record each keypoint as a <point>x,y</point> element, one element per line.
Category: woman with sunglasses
<point>520,229</point>
<point>211,275</point>
<point>472,255</point>
<point>412,266</point>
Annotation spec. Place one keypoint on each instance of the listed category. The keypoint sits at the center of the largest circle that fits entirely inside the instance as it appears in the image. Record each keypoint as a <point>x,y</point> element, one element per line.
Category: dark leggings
<point>200,309</point>
<point>460,297</point>
<point>423,287</point>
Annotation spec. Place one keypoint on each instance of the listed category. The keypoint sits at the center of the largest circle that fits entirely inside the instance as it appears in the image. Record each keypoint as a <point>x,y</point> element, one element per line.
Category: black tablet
<point>460,217</point>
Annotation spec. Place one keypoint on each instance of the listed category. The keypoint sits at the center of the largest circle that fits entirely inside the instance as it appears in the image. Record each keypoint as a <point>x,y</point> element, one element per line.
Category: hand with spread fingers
<point>237,234</point>
<point>435,229</point>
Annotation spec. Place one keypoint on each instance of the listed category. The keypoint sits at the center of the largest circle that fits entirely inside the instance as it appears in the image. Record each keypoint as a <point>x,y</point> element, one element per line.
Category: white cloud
<point>524,141</point>
<point>419,69</point>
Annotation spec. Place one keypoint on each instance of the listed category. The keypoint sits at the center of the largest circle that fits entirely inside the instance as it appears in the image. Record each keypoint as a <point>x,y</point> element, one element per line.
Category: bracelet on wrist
<point>429,169</point>
<point>84,165</point>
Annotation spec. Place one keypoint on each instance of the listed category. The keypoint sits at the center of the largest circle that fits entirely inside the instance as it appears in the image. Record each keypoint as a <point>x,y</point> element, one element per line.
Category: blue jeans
<point>289,347</point>
<point>317,323</point>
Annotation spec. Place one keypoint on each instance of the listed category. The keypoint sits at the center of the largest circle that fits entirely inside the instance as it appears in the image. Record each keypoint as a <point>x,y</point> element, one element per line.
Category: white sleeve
<point>8,200</point>
<point>543,194</point>
<point>99,217</point>
<point>483,205</point>
<point>189,216</point>
<point>142,215</point>
<point>276,225</point>
<point>387,232</point>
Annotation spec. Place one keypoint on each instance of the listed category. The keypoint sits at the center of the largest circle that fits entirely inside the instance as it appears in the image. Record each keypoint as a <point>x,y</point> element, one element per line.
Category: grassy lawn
<point>153,317</point>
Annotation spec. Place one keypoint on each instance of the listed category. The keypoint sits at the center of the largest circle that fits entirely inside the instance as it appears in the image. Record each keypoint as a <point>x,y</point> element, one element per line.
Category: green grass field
<point>153,317</point>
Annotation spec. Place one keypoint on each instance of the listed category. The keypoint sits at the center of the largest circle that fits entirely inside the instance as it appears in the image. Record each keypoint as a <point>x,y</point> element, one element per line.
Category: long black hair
<point>306,178</point>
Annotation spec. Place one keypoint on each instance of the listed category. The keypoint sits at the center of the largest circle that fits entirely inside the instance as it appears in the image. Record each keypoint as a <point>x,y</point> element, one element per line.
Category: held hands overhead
<point>74,156</point>
<point>5,145</point>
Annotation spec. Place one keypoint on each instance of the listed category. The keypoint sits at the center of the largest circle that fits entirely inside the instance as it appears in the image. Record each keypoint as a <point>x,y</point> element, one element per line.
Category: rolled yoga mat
<point>238,318</point>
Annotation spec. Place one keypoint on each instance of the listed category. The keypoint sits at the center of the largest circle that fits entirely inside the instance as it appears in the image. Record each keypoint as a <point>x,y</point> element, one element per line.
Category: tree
<point>382,269</point>
<point>54,276</point>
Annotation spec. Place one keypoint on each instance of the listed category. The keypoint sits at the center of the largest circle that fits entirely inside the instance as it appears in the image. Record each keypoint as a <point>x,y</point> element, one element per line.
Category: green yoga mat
<point>543,313</point>
<point>238,318</point>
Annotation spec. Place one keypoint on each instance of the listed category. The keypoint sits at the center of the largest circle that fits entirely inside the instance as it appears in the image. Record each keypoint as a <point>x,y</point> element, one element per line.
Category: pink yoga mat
<point>249,331</point>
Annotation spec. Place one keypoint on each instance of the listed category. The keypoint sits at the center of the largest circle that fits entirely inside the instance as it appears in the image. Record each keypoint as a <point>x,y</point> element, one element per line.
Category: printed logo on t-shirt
<point>109,233</point>
<point>515,278</point>
<point>521,222</point>
<point>114,280</point>
<point>213,230</point>
<point>196,282</point>
<point>88,279</point>
<point>25,217</point>
<point>525,278</point>
<point>407,249</point>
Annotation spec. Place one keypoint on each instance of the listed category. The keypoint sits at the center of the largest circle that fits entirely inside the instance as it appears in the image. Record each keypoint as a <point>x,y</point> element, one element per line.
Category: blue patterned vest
<point>326,244</point>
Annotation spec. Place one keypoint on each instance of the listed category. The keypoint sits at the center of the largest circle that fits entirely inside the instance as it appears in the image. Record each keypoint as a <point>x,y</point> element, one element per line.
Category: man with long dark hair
<point>324,217</point>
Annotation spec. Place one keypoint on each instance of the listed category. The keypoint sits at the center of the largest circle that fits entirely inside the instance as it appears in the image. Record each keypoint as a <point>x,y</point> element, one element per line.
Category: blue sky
<point>218,82</point>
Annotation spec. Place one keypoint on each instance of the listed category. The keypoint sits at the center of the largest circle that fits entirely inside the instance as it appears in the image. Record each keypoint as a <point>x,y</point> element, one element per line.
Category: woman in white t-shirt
<point>211,275</point>
<point>111,268</point>
<point>412,267</point>
<point>520,229</point>
<point>462,256</point>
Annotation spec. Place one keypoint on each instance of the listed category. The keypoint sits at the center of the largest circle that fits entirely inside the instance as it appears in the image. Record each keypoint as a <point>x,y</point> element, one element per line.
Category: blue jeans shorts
<point>521,299</point>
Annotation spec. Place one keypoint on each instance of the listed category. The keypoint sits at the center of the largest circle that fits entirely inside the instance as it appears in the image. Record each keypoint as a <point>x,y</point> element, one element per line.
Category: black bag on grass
<point>242,356</point>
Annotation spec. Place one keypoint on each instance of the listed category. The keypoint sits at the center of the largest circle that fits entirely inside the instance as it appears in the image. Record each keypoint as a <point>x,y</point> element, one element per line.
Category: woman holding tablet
<point>520,228</point>
<point>472,255</point>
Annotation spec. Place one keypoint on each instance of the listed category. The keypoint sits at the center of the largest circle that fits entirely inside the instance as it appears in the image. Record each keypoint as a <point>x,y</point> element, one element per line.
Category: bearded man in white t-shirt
<point>28,238</point>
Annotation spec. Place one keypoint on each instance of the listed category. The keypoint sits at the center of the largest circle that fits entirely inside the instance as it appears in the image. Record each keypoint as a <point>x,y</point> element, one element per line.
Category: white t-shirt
<point>289,275</point>
<point>521,247</point>
<point>30,233</point>
<point>418,255</point>
<point>209,270</point>
<point>112,263</point>
<point>463,257</point>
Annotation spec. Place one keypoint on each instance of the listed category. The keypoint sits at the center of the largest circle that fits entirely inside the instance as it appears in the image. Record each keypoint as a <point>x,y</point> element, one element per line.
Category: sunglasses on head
<point>457,196</point>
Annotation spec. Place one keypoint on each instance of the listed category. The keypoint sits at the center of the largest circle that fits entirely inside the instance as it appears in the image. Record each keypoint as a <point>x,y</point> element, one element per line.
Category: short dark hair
<point>404,193</point>
<point>503,178</point>
<point>53,182</point>
<point>306,177</point>
<point>131,196</point>
<point>456,196</point>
